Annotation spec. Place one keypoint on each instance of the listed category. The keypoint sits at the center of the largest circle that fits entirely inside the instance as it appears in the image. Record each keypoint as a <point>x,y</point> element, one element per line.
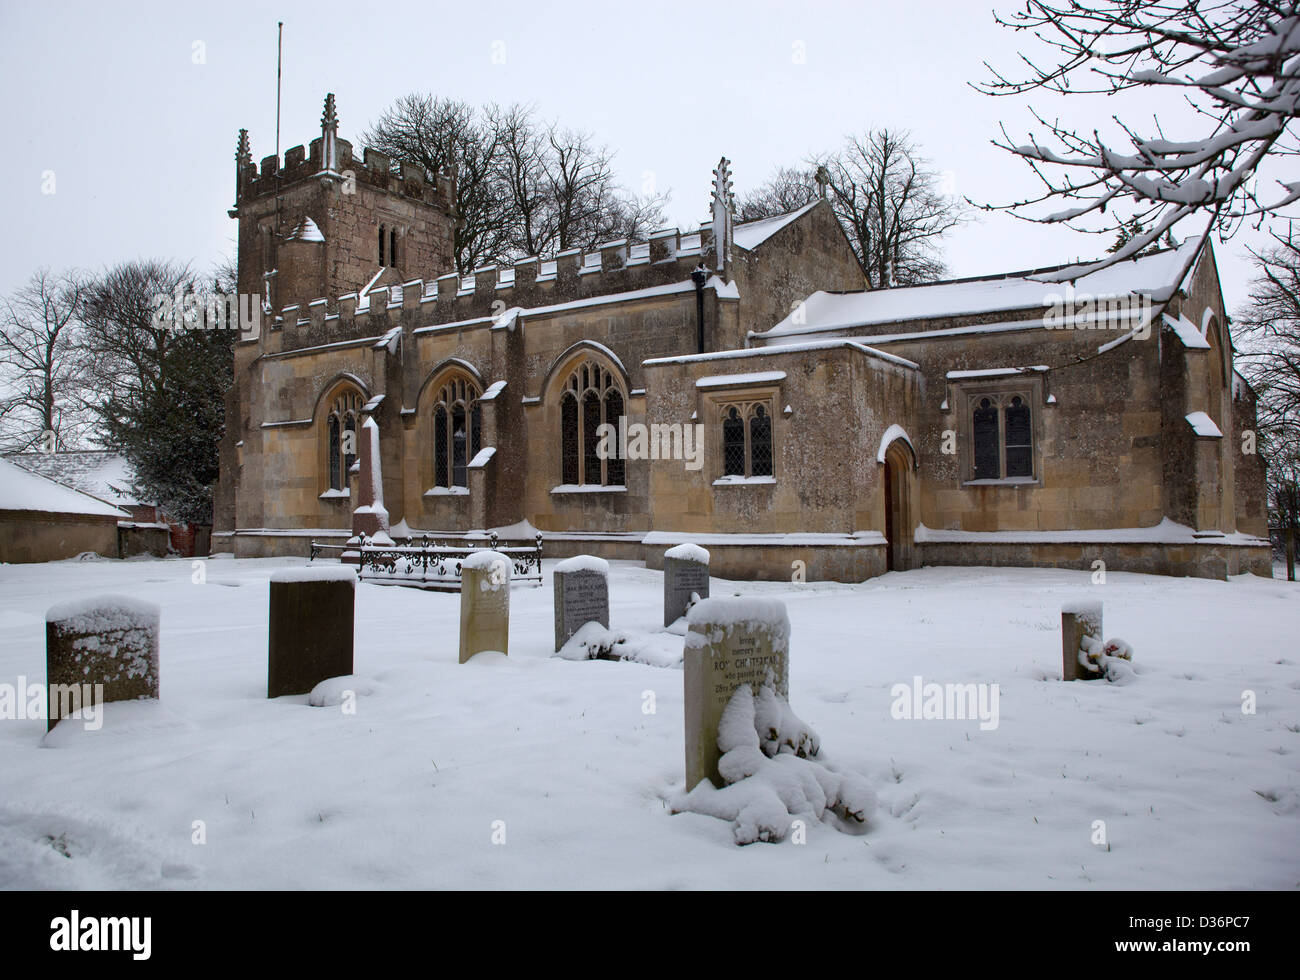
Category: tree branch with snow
<point>1235,63</point>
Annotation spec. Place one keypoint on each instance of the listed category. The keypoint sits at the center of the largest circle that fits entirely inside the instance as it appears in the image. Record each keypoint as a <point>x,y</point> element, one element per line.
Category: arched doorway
<point>900,517</point>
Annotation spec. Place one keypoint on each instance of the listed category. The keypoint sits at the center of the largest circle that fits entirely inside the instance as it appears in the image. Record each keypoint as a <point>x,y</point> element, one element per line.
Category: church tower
<point>324,223</point>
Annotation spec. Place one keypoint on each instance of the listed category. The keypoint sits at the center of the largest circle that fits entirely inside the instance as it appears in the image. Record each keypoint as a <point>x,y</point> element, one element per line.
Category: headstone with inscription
<point>311,628</point>
<point>581,595</point>
<point>729,642</point>
<point>1080,634</point>
<point>686,574</point>
<point>97,650</point>
<point>484,604</point>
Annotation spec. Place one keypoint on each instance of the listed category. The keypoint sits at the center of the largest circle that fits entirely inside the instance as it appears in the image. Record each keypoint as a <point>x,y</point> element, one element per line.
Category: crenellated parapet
<point>372,169</point>
<point>668,257</point>
<point>330,158</point>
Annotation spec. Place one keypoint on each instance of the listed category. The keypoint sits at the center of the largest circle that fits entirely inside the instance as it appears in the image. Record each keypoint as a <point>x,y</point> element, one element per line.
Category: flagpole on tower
<point>279,57</point>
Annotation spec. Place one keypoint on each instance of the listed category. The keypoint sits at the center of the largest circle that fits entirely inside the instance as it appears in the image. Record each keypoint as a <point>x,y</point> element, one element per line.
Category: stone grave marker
<point>97,650</point>
<point>311,627</point>
<point>1078,619</point>
<point>686,571</point>
<point>729,642</point>
<point>484,604</point>
<point>581,595</point>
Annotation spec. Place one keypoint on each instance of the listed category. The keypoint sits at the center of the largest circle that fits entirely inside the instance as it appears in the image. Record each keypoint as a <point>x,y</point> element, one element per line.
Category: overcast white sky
<point>141,139</point>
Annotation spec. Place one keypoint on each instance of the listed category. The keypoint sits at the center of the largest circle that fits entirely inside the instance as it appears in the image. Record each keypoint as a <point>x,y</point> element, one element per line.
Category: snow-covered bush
<point>593,641</point>
<point>1112,659</point>
<point>772,764</point>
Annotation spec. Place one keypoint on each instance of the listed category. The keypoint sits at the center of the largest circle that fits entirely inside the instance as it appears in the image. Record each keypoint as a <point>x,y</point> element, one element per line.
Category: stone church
<point>766,405</point>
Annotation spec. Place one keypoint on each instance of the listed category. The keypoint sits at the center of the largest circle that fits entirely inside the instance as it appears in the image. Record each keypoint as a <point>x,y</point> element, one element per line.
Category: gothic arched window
<point>457,431</point>
<point>760,442</point>
<point>1002,436</point>
<point>591,398</point>
<point>747,439</point>
<point>341,436</point>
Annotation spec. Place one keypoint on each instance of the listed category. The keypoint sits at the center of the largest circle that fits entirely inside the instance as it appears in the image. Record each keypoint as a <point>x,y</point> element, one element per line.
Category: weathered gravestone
<point>729,642</point>
<point>311,627</point>
<point>105,648</point>
<point>1080,626</point>
<point>484,604</point>
<point>581,595</point>
<point>686,571</point>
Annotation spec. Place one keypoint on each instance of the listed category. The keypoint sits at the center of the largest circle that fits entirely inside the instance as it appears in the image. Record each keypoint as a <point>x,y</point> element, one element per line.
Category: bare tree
<point>524,187</point>
<point>159,388</point>
<point>585,202</point>
<point>446,136</point>
<point>125,344</point>
<point>1271,356</point>
<point>887,199</point>
<point>43,398</point>
<point>788,189</point>
<point>1235,63</point>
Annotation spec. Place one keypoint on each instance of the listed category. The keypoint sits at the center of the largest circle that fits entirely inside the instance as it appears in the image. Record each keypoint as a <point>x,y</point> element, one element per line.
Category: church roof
<point>99,473</point>
<point>1157,275</point>
<point>21,489</point>
<point>752,234</point>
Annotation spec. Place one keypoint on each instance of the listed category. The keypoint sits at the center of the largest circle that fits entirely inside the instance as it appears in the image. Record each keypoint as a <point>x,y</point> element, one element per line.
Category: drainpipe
<point>699,276</point>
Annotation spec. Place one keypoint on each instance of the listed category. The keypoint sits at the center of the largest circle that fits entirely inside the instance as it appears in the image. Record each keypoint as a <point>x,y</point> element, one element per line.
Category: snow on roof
<point>21,489</point>
<point>1203,425</point>
<point>752,234</point>
<point>727,380</point>
<point>723,290</point>
<point>1153,275</point>
<point>1186,331</point>
<point>996,372</point>
<point>306,231</point>
<point>99,473</point>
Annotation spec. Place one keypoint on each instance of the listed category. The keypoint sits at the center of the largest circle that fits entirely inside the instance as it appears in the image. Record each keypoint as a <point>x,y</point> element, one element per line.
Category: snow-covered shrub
<point>771,762</point>
<point>1112,659</point>
<point>593,641</point>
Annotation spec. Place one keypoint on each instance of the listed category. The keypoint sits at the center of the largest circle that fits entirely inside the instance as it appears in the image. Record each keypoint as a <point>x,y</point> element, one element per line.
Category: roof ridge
<point>995,276</point>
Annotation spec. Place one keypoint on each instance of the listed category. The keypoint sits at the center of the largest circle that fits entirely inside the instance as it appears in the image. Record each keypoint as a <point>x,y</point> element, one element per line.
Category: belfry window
<point>381,244</point>
<point>591,398</point>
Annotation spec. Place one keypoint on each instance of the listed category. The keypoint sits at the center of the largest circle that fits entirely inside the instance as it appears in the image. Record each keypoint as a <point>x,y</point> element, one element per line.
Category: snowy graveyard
<point>513,765</point>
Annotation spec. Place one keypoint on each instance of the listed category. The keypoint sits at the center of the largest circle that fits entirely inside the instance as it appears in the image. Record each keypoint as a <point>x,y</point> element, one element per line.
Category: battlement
<point>373,169</point>
<point>668,257</point>
<point>329,158</point>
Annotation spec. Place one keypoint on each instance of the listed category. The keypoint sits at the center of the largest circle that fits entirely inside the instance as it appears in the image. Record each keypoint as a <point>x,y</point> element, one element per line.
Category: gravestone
<point>581,595</point>
<point>105,649</point>
<point>1078,620</point>
<point>484,604</point>
<point>311,627</point>
<point>729,642</point>
<point>686,571</point>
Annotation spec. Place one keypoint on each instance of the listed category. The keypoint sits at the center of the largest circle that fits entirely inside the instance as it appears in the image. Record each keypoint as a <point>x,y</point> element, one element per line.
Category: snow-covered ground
<point>560,756</point>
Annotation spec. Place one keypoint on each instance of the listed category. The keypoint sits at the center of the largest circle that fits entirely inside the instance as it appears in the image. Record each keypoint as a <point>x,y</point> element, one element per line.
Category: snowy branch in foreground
<point>1235,62</point>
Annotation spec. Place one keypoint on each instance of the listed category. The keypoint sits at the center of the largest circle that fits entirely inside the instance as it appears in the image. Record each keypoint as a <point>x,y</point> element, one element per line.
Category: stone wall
<point>30,536</point>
